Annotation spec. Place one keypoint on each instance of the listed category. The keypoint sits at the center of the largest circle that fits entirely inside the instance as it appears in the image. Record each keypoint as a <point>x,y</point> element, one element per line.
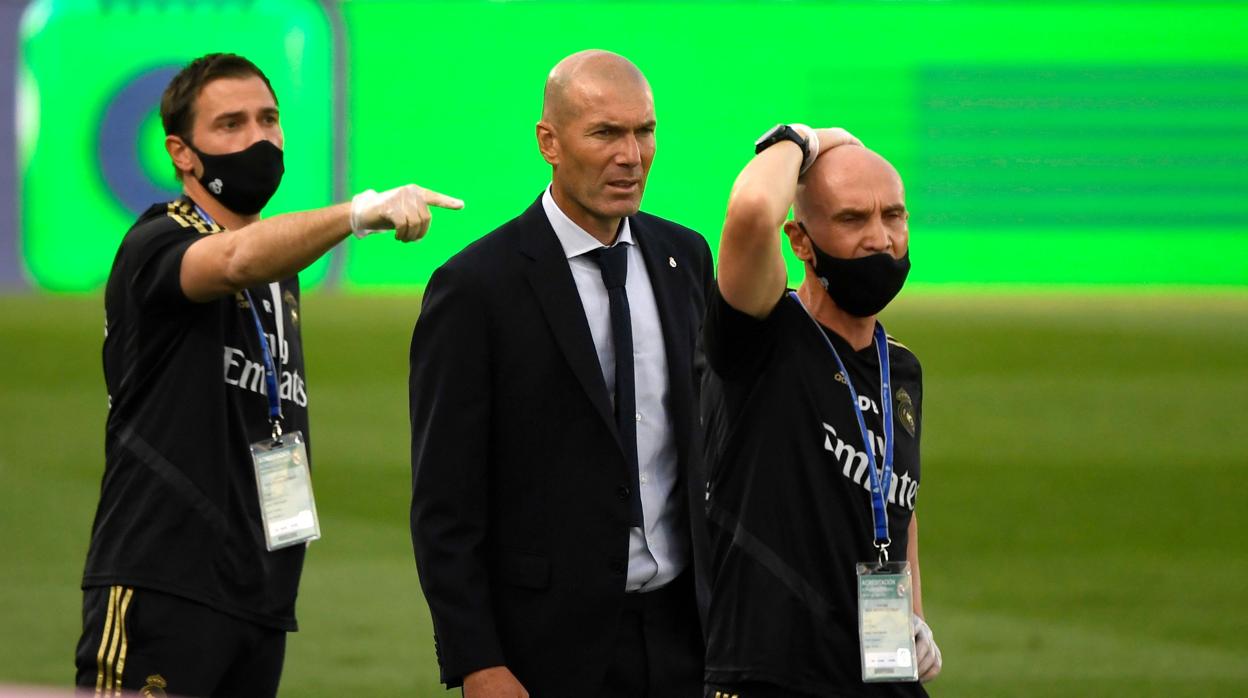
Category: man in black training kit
<point>180,592</point>
<point>788,505</point>
<point>556,502</point>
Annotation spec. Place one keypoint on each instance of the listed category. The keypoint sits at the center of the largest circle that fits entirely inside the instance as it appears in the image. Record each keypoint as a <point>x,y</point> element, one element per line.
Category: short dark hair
<point>177,104</point>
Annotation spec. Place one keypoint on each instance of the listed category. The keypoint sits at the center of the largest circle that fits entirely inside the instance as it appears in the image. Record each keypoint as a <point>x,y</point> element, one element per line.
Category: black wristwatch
<point>782,132</point>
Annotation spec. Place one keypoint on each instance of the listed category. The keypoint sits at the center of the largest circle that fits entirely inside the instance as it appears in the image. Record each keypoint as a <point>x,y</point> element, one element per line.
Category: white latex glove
<point>405,210</point>
<point>926,650</point>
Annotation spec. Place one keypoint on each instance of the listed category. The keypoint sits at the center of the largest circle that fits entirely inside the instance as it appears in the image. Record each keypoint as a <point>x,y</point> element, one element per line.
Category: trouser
<point>749,689</point>
<point>658,647</point>
<point>156,644</point>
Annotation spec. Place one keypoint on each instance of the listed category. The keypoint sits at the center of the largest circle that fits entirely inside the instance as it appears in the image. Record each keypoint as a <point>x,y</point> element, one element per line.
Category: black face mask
<point>863,286</point>
<point>243,181</point>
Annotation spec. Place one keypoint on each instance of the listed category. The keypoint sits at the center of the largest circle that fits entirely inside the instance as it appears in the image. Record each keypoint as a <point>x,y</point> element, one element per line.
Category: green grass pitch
<point>1083,517</point>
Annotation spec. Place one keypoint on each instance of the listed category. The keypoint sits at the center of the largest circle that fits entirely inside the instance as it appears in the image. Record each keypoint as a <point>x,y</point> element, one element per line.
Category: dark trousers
<point>157,644</point>
<point>749,689</point>
<point>658,647</point>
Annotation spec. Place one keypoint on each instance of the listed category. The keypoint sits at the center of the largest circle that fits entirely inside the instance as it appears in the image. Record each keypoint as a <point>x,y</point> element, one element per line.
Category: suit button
<point>617,567</point>
<point>622,492</point>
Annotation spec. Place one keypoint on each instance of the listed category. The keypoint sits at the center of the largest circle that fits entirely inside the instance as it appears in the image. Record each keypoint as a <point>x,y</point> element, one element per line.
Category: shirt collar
<point>572,237</point>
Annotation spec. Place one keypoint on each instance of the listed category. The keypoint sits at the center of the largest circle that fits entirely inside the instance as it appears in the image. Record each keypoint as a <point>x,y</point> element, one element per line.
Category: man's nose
<point>629,151</point>
<point>257,132</point>
<point>878,238</point>
<point>254,132</point>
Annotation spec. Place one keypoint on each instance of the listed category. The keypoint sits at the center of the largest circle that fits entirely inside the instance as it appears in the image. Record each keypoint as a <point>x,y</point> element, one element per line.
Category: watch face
<point>769,136</point>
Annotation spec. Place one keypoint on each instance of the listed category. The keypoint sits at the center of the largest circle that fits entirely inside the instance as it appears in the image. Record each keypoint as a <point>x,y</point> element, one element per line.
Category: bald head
<point>848,175</point>
<point>597,133</point>
<point>578,79</point>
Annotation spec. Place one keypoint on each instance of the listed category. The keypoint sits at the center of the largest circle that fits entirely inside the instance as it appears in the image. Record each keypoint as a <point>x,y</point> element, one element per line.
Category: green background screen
<point>1076,175</point>
<point>1041,143</point>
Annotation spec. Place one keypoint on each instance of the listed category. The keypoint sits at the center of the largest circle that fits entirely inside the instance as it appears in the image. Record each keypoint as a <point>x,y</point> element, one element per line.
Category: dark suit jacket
<point>519,516</point>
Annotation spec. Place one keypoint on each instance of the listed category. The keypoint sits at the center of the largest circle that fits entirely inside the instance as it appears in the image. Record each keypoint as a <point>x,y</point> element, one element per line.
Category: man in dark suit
<point>557,513</point>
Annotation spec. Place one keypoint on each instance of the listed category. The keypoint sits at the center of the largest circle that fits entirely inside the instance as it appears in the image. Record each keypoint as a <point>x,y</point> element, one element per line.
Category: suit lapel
<point>671,295</point>
<point>673,291</point>
<point>551,279</point>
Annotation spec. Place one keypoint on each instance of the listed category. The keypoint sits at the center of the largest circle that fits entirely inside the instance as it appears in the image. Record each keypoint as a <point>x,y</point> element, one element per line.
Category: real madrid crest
<point>905,410</point>
<point>155,687</point>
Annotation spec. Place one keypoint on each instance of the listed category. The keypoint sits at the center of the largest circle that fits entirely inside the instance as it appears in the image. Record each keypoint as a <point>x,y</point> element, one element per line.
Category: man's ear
<point>548,143</point>
<point>184,159</point>
<point>799,241</point>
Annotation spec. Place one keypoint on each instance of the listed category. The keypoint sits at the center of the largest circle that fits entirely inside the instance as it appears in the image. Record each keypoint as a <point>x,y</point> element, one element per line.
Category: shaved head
<point>578,79</point>
<point>843,168</point>
<point>850,203</point>
<point>597,134</point>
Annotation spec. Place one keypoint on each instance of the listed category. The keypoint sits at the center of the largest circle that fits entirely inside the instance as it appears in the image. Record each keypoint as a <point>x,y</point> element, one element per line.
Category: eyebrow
<point>855,211</point>
<point>618,125</point>
<point>228,115</point>
<point>239,114</point>
<point>850,211</point>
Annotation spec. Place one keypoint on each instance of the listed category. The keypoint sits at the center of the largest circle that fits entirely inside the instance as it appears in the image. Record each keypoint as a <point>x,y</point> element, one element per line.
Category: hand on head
<point>822,140</point>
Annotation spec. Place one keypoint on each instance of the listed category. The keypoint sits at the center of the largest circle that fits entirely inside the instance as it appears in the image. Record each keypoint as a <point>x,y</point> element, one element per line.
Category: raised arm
<point>276,248</point>
<point>752,274</point>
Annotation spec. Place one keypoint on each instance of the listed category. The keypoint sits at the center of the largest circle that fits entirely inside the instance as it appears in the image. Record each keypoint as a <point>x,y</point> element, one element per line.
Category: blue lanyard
<point>881,477</point>
<point>270,371</point>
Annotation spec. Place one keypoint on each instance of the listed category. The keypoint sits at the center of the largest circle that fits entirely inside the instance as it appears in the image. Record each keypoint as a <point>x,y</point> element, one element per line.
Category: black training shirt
<point>178,509</point>
<point>788,499</point>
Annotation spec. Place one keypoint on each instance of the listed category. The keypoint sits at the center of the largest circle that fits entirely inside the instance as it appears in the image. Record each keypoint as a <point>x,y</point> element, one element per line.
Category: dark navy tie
<point>613,262</point>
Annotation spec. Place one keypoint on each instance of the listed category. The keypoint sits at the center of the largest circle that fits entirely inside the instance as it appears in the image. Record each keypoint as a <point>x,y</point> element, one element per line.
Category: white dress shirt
<point>657,553</point>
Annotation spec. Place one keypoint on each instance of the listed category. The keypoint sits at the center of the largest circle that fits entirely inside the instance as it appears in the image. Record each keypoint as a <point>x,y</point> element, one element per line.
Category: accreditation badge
<point>284,483</point>
<point>886,622</point>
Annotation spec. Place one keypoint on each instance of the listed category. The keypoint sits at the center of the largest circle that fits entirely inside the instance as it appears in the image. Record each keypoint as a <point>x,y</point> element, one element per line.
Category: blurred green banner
<point>91,150</point>
<point>1041,143</point>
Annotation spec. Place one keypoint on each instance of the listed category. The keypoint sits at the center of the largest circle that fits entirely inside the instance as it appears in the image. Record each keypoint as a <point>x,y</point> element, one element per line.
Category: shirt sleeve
<point>918,400</point>
<point>450,405</point>
<point>735,341</point>
<point>154,264</point>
